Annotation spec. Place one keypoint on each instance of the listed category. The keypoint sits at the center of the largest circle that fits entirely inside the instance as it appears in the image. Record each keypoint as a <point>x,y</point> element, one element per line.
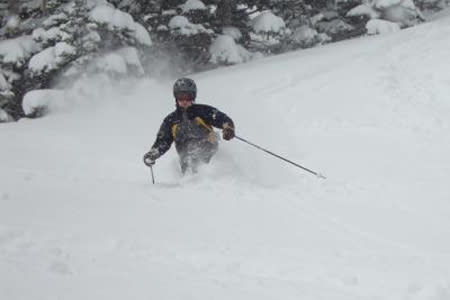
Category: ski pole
<point>153,177</point>
<point>280,157</point>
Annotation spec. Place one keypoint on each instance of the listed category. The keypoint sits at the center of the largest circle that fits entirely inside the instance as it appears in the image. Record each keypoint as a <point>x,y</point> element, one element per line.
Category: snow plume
<point>96,92</point>
<point>117,63</point>
<point>234,32</point>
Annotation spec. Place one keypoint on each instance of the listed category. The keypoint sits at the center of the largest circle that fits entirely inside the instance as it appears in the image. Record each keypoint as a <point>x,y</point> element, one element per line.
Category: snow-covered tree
<point>431,6</point>
<point>75,37</point>
<point>16,48</point>
<point>224,50</point>
<point>403,12</point>
<point>45,40</point>
<point>392,13</point>
<point>268,31</point>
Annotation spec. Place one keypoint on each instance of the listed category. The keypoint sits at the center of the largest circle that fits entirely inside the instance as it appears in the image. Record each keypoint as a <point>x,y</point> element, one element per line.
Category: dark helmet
<point>185,85</point>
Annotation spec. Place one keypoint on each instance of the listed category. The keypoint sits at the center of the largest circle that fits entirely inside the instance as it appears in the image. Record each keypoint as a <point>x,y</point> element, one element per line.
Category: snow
<point>32,4</point>
<point>178,22</point>
<point>162,28</point>
<point>4,84</point>
<point>12,23</point>
<point>51,58</point>
<point>131,57</point>
<point>445,13</point>
<point>80,219</point>
<point>334,26</point>
<point>304,35</point>
<point>169,12</point>
<point>142,35</point>
<point>401,15</point>
<point>16,51</point>
<point>402,12</point>
<point>53,34</point>
<point>118,62</point>
<point>115,18</point>
<point>381,4</point>
<point>4,116</point>
<point>192,5</point>
<point>93,3</point>
<point>377,26</point>
<point>267,22</point>
<point>112,63</point>
<point>51,100</point>
<point>225,50</point>
<point>363,10</point>
<point>408,4</point>
<point>53,20</point>
<point>183,26</point>
<point>234,32</point>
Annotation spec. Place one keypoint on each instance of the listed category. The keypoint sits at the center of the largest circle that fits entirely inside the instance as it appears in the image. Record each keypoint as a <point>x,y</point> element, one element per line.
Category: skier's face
<point>184,100</point>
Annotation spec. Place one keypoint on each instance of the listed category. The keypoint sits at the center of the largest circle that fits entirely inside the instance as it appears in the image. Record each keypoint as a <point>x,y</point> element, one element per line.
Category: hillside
<point>80,219</point>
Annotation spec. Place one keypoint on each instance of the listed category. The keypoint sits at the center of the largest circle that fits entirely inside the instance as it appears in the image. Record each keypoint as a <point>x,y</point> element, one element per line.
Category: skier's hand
<point>150,157</point>
<point>227,132</point>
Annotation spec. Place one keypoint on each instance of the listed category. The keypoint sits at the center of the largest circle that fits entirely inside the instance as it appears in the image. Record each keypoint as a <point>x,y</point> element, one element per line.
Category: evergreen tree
<point>71,39</point>
<point>17,20</point>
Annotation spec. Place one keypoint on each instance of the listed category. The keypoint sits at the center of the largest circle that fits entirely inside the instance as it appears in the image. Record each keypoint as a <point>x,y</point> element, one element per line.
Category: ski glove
<point>150,157</point>
<point>227,132</point>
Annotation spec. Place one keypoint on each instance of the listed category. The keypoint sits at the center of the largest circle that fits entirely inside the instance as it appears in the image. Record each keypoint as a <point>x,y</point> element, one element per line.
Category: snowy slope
<point>80,219</point>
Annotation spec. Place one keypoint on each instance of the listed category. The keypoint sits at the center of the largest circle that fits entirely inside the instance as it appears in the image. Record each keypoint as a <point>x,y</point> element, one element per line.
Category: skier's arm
<point>220,120</point>
<point>217,118</point>
<point>163,139</point>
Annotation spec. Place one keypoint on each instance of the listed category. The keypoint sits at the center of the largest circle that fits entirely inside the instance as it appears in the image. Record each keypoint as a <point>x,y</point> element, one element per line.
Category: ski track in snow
<point>80,219</point>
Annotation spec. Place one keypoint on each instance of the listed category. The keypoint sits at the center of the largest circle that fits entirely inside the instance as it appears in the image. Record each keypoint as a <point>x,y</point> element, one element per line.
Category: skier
<point>190,126</point>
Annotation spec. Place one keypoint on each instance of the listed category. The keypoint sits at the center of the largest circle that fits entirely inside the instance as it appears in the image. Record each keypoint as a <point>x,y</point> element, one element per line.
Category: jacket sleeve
<point>215,117</point>
<point>164,137</point>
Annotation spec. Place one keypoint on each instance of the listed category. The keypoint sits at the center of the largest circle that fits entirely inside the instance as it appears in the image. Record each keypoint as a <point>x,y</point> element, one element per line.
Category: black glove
<point>150,157</point>
<point>227,132</point>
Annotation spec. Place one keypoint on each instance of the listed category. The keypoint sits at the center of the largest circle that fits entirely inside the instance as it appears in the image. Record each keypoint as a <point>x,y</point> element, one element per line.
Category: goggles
<point>184,96</point>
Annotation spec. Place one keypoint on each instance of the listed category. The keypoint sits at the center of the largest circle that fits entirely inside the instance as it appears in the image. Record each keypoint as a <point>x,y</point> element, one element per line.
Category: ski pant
<point>196,153</point>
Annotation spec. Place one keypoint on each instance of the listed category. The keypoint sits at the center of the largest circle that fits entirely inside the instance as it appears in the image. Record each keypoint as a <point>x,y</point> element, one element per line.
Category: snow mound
<point>377,26</point>
<point>192,5</point>
<point>225,50</point>
<point>267,22</point>
<point>363,10</point>
<point>44,100</point>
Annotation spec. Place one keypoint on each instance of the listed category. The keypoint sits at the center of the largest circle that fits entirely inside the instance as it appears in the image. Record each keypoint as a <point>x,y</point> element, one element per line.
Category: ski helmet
<point>185,85</point>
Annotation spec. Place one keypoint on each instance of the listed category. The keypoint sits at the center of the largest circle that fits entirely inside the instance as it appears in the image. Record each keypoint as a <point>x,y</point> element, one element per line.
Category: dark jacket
<point>189,126</point>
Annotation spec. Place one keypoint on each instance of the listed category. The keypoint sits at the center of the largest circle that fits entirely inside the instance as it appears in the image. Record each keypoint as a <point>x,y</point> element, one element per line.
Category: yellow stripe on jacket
<point>212,137</point>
